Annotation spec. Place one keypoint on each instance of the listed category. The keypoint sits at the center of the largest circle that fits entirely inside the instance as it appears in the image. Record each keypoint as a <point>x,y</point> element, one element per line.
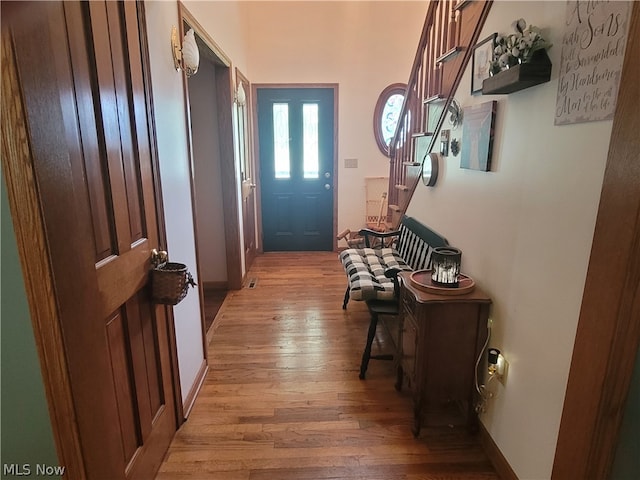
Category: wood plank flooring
<point>283,401</point>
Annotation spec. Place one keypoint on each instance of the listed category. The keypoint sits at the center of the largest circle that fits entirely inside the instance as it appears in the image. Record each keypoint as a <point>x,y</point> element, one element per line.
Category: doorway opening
<point>213,174</point>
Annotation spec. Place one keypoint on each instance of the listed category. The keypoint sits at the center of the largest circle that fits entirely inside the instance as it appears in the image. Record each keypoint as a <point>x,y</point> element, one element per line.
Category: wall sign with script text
<point>593,45</point>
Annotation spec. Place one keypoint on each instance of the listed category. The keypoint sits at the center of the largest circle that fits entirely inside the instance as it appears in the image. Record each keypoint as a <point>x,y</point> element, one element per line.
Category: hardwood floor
<point>282,400</point>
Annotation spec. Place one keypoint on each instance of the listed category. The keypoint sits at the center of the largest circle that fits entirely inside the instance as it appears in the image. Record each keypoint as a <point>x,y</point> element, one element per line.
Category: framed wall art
<point>481,62</point>
<point>477,136</point>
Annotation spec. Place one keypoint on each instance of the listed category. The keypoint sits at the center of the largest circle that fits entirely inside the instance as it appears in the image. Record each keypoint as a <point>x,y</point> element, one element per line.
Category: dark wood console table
<point>441,337</point>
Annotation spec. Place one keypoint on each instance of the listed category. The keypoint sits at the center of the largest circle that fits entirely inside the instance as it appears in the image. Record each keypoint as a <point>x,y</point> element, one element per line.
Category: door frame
<point>249,255</point>
<point>256,152</point>
<point>224,96</point>
<point>608,333</point>
<point>36,263</point>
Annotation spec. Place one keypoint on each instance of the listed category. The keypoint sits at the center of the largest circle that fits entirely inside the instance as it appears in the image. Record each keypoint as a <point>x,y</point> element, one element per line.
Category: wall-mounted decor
<point>455,113</point>
<point>430,169</point>
<point>518,47</point>
<point>455,147</point>
<point>187,56</point>
<point>520,76</point>
<point>481,62</point>
<point>593,45</point>
<point>477,136</point>
<point>428,161</point>
<point>444,142</point>
<point>519,60</point>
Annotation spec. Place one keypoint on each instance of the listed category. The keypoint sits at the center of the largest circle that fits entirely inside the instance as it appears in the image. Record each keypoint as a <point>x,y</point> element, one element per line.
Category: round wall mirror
<point>430,169</point>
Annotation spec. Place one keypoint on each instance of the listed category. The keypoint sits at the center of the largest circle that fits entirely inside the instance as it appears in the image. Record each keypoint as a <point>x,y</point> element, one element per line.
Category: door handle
<point>327,186</point>
<point>159,257</point>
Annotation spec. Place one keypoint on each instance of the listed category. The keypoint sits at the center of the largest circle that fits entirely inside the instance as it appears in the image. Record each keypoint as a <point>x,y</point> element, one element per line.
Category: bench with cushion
<point>372,272</point>
<point>408,248</point>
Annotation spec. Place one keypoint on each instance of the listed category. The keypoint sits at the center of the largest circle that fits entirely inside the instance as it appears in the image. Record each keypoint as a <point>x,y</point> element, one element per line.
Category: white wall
<point>525,230</point>
<point>169,104</point>
<point>363,47</point>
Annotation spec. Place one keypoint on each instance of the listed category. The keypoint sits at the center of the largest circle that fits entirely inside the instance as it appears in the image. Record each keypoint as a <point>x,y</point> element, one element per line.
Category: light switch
<point>350,163</point>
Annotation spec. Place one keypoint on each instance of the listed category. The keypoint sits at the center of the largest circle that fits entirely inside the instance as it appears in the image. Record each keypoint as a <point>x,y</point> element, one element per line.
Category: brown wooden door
<point>81,76</point>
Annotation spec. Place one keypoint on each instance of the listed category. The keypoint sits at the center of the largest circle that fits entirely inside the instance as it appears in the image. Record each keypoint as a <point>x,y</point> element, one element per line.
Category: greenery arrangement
<point>517,47</point>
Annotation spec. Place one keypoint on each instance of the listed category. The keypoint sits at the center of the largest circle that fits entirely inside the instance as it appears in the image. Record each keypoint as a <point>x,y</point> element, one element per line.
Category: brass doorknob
<point>159,257</point>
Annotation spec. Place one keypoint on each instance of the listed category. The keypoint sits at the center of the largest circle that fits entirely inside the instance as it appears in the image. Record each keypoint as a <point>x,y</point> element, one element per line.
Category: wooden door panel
<point>109,121</point>
<point>92,143</point>
<point>87,113</point>
<point>120,276</point>
<point>312,210</point>
<point>126,128</point>
<point>283,214</point>
<point>121,376</point>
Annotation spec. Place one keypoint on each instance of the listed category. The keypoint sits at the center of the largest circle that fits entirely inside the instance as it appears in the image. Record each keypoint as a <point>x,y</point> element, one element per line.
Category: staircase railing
<point>450,30</point>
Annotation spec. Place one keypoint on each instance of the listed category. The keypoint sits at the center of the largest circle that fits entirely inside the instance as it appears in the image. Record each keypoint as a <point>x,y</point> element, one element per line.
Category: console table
<point>440,339</point>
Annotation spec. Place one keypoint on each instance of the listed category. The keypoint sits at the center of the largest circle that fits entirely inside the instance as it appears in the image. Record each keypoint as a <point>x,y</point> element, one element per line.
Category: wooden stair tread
<point>451,54</point>
<point>462,4</point>
<point>435,98</point>
<point>421,134</point>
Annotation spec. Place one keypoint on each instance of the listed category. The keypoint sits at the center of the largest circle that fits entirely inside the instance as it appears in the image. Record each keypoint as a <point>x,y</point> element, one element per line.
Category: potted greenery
<point>518,47</point>
<point>519,61</point>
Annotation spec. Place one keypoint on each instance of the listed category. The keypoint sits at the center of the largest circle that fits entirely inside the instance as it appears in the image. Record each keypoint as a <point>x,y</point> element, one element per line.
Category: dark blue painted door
<point>296,141</point>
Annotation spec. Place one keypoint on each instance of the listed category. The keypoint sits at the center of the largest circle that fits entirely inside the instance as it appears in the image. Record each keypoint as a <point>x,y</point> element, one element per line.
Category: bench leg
<point>367,349</point>
<point>346,298</point>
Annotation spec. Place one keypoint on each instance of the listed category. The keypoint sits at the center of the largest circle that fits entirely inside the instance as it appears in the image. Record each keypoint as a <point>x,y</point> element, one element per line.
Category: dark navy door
<point>296,141</point>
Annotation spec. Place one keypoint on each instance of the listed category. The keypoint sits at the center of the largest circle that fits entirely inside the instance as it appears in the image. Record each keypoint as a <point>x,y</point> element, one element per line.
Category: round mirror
<point>430,169</point>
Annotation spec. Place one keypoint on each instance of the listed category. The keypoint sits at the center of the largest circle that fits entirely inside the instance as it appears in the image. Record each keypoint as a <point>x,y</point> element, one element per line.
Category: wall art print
<point>593,45</point>
<point>478,123</point>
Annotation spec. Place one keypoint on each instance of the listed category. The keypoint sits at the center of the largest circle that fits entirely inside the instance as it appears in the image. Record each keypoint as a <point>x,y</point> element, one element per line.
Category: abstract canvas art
<point>477,136</point>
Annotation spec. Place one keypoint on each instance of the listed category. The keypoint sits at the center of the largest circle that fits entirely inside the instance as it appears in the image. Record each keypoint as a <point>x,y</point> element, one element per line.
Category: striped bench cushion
<point>365,267</point>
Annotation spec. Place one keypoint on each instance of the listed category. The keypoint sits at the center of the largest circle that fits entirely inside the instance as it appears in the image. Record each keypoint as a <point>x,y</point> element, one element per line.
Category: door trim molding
<point>256,151</point>
<point>608,333</point>
<point>28,222</point>
<point>162,231</point>
<point>230,183</point>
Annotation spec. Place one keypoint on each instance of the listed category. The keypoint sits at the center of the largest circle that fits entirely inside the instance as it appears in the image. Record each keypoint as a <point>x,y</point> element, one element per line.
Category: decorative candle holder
<point>445,263</point>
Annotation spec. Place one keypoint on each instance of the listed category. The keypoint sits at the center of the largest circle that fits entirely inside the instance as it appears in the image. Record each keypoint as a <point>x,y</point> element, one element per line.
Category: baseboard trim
<point>504,470</point>
<point>193,393</point>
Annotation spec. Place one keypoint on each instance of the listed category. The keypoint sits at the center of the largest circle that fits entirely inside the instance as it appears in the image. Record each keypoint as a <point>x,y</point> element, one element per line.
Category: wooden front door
<point>296,142</point>
<point>80,80</point>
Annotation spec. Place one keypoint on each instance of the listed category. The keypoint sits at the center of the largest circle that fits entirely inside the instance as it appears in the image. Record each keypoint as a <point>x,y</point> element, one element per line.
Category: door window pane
<point>310,139</point>
<point>281,140</point>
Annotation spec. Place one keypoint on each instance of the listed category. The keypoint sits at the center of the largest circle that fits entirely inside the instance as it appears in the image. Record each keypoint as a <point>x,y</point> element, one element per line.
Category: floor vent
<point>252,283</point>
